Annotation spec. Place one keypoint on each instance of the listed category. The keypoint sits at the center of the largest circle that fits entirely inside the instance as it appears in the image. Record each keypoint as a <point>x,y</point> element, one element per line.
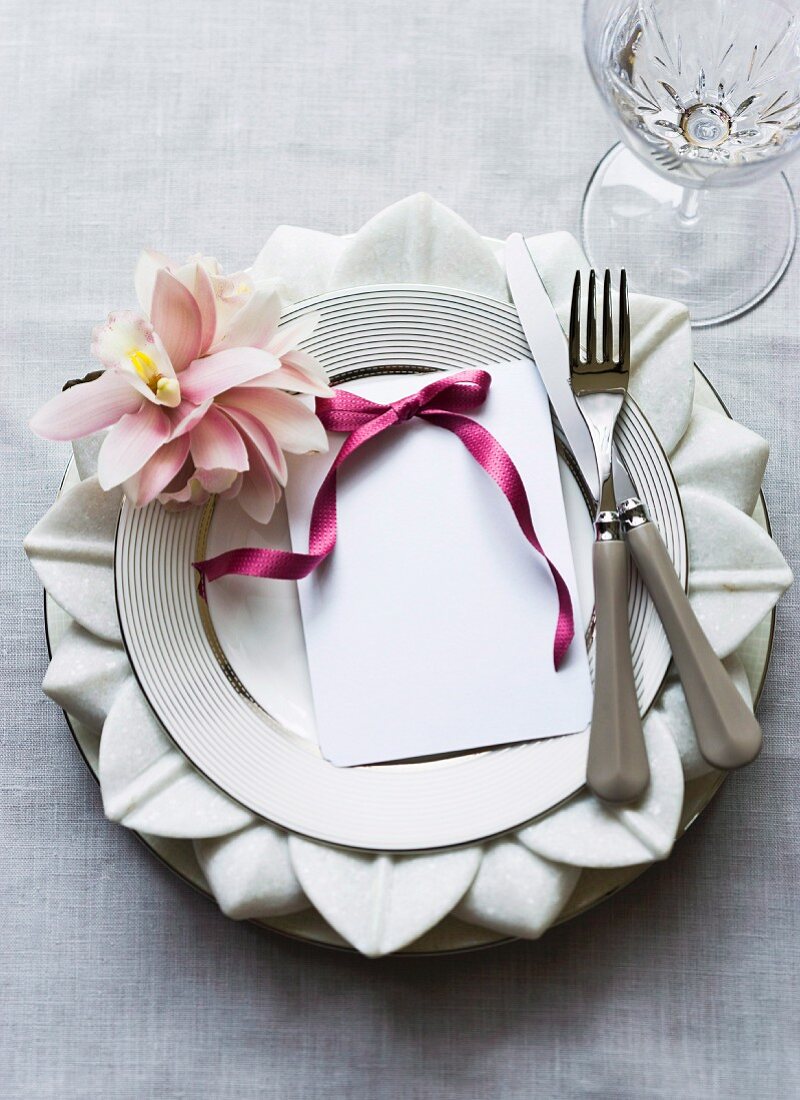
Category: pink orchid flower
<point>200,392</point>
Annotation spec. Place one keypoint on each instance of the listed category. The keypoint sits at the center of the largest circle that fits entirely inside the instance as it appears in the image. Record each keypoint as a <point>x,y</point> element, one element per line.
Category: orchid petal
<point>128,343</point>
<point>157,472</point>
<point>299,373</point>
<point>176,318</point>
<point>148,267</point>
<point>187,415</point>
<point>291,334</point>
<point>218,481</point>
<point>86,408</point>
<point>233,489</point>
<point>130,443</point>
<point>216,444</point>
<point>306,366</point>
<point>207,303</point>
<point>255,323</point>
<point>196,275</point>
<point>212,375</point>
<point>189,495</point>
<point>255,433</point>
<point>259,493</point>
<point>296,428</point>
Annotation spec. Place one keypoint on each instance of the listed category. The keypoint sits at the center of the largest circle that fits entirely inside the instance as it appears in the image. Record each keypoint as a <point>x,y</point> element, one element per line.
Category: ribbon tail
<point>498,464</point>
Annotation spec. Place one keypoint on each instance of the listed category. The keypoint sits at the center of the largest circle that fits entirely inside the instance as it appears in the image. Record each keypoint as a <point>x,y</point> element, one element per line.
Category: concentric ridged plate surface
<point>247,746</point>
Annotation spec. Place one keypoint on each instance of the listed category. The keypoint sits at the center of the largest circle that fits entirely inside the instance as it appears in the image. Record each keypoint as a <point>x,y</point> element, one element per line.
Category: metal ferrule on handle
<point>607,527</point>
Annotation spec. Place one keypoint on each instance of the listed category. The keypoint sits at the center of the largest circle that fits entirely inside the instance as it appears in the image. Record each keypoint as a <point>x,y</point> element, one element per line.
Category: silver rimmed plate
<point>230,682</point>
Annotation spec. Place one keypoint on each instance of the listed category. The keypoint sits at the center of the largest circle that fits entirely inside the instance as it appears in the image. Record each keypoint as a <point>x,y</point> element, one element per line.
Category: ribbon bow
<point>445,403</point>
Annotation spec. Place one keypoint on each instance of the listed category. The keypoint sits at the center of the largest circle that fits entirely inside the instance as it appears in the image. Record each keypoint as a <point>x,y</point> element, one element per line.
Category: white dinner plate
<point>229,682</point>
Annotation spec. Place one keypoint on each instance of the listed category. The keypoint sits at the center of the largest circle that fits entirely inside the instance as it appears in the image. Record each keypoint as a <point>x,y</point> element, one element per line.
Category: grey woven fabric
<point>202,125</point>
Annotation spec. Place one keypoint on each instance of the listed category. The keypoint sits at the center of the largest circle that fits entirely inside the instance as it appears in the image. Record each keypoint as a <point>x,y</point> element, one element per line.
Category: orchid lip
<point>166,390</point>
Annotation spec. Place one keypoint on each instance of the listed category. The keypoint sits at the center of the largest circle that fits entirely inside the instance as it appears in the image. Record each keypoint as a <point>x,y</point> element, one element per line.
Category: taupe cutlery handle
<point>617,768</point>
<point>727,732</point>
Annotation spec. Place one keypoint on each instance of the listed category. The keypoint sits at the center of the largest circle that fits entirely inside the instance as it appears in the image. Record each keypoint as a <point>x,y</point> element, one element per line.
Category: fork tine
<point>624,323</point>
<point>608,334</point>
<point>575,322</point>
<point>591,319</point>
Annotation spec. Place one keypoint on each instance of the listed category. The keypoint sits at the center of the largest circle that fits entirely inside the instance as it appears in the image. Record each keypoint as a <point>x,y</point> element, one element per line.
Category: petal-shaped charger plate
<point>453,934</point>
<point>230,685</point>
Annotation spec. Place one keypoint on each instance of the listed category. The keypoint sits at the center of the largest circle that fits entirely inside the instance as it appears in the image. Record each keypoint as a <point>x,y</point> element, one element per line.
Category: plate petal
<point>148,785</point>
<point>417,240</point>
<point>517,892</point>
<point>85,675</point>
<point>72,550</point>
<point>86,451</point>
<point>303,259</point>
<point>586,832</point>
<point>251,874</point>
<point>737,573</point>
<point>671,708</point>
<point>722,457</point>
<point>380,903</point>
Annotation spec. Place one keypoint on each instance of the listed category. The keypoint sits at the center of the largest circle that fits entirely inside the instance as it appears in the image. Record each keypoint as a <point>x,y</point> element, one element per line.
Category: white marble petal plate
<point>263,891</point>
<point>251,869</point>
<point>230,683</point>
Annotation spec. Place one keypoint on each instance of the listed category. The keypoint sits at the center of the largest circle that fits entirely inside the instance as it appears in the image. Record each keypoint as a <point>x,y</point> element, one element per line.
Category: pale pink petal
<point>293,333</point>
<point>127,339</point>
<point>144,279</point>
<point>87,408</point>
<point>176,318</point>
<point>184,418</point>
<point>233,491</point>
<point>254,432</point>
<point>218,481</point>
<point>296,428</point>
<point>299,373</point>
<point>189,496</point>
<point>259,494</point>
<point>306,365</point>
<point>254,324</point>
<point>196,275</point>
<point>181,478</point>
<point>216,373</point>
<point>207,302</point>
<point>217,445</point>
<point>157,472</point>
<point>130,443</point>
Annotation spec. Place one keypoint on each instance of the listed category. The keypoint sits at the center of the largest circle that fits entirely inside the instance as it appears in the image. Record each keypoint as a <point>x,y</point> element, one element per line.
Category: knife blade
<point>548,344</point>
<point>624,489</point>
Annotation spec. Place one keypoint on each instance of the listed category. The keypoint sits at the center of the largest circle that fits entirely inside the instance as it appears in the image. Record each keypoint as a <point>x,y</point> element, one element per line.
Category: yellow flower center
<point>146,368</point>
<point>166,390</point>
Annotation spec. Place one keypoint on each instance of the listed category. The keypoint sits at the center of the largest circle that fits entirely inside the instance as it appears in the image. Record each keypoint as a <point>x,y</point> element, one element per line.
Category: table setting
<point>406,595</point>
<point>255,780</point>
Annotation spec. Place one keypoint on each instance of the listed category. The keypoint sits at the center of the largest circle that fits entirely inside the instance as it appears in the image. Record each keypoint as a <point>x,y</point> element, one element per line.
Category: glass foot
<point>720,251</point>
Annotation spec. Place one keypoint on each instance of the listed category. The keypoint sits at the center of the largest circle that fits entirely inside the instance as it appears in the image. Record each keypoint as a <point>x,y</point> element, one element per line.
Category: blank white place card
<point>430,627</point>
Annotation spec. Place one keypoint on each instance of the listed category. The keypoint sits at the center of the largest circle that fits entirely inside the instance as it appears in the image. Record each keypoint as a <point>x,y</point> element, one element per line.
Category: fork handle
<point>617,769</point>
<point>727,732</point>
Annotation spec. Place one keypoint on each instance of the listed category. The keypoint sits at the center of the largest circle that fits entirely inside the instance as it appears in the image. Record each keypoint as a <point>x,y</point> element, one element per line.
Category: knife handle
<point>617,769</point>
<point>727,732</point>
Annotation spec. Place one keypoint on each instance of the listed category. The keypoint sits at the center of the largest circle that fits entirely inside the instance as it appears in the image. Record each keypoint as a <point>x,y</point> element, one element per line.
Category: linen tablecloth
<point>195,125</point>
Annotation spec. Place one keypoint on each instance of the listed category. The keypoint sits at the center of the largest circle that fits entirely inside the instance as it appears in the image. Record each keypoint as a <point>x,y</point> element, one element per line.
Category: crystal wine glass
<point>706,94</point>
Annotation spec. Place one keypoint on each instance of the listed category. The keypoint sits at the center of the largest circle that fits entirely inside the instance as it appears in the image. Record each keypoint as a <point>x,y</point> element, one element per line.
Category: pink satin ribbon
<point>444,403</point>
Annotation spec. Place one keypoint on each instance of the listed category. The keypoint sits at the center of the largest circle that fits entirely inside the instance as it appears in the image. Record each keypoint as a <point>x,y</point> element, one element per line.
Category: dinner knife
<point>727,732</point>
<point>548,346</point>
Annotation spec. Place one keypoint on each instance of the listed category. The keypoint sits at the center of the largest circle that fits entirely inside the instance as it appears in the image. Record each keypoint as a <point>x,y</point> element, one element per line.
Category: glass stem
<point>688,208</point>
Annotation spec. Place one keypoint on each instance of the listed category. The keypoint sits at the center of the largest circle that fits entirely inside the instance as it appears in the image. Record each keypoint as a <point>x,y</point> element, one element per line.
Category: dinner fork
<point>617,769</point>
